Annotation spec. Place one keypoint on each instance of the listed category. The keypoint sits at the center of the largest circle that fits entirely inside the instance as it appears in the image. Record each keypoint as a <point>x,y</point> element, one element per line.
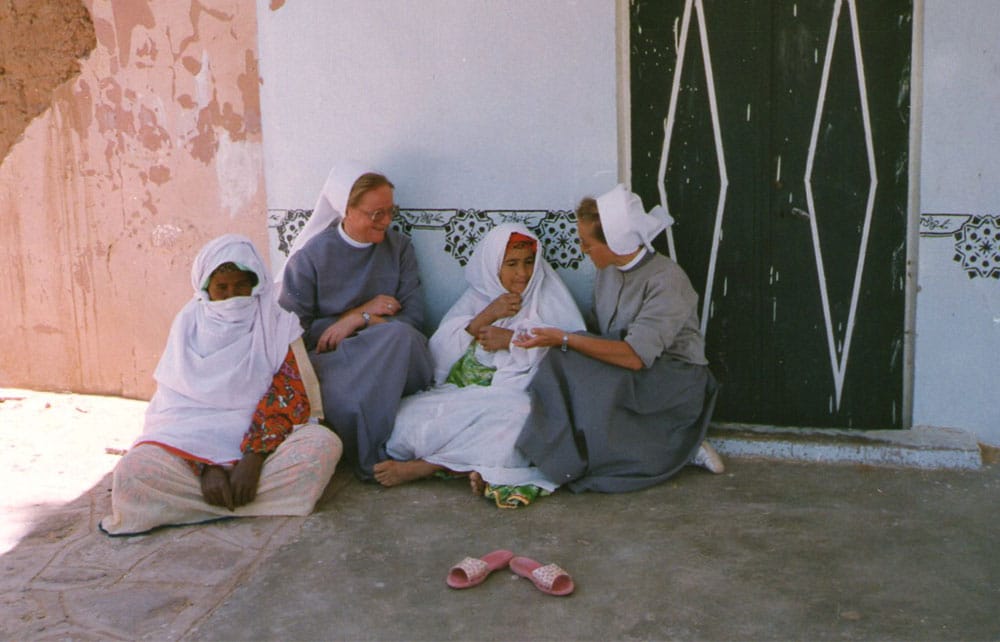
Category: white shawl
<point>546,302</point>
<point>219,359</point>
<point>626,224</point>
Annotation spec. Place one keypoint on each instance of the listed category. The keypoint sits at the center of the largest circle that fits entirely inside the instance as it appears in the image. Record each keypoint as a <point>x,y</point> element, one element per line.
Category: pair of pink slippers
<point>473,571</point>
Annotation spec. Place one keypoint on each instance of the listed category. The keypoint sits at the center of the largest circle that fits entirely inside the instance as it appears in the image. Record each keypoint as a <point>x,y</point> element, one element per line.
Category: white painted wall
<point>511,105</point>
<point>957,349</point>
<point>468,105</point>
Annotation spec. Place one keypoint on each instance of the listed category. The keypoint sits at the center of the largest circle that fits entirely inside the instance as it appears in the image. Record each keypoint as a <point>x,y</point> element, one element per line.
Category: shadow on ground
<point>767,551</point>
<point>67,580</point>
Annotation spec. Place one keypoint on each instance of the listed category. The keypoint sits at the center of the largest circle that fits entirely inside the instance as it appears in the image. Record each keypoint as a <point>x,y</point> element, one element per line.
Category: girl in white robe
<point>472,429</point>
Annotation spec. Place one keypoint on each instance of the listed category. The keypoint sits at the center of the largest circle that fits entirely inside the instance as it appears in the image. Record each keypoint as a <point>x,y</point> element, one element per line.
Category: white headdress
<point>546,301</point>
<point>625,222</point>
<point>332,202</point>
<point>219,359</point>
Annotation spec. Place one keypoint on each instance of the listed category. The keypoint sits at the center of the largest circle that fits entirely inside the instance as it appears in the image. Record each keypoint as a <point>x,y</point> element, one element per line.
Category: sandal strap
<point>472,567</point>
<point>547,575</point>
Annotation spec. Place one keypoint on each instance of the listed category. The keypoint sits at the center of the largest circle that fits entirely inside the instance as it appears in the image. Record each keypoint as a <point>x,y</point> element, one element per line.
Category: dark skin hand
<point>215,487</point>
<point>489,336</point>
<point>233,489</point>
<point>493,338</point>
<point>245,477</point>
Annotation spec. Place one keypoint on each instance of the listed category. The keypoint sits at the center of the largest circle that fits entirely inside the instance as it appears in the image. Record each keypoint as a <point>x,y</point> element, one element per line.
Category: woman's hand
<point>506,305</point>
<point>492,338</point>
<point>382,305</point>
<point>245,477</point>
<point>617,353</point>
<point>337,332</point>
<point>541,338</point>
<point>215,487</point>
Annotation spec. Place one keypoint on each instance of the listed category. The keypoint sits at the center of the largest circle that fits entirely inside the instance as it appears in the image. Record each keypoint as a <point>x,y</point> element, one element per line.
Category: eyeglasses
<point>381,214</point>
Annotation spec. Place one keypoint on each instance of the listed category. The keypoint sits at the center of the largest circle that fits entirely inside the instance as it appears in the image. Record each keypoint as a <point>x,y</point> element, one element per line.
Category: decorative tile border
<point>977,247</point>
<point>462,229</point>
<point>976,238</point>
<point>941,224</point>
<point>287,224</point>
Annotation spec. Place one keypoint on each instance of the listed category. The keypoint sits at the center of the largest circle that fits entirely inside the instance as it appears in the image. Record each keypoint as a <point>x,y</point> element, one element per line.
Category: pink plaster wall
<point>152,150</point>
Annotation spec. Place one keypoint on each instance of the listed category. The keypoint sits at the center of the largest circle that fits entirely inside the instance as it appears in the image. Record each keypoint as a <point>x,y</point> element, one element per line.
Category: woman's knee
<point>143,462</point>
<point>325,447</point>
<point>399,332</point>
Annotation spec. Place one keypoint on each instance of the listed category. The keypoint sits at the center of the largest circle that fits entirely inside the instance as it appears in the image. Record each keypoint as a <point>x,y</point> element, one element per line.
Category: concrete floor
<point>768,551</point>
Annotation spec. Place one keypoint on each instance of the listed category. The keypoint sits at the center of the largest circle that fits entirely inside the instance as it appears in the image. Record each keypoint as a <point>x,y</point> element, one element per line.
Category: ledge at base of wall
<point>926,447</point>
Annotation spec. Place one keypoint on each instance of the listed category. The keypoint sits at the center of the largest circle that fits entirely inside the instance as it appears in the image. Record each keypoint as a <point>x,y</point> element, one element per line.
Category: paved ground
<point>61,578</point>
<point>767,551</point>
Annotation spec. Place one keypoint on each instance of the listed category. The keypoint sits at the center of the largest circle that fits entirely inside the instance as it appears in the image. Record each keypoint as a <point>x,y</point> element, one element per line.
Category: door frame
<point>624,111</point>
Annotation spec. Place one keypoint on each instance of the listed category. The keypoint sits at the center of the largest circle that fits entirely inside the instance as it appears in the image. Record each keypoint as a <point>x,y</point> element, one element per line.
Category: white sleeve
<point>450,341</point>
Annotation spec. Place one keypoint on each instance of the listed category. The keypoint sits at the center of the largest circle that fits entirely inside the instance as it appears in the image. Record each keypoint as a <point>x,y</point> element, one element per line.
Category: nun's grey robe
<point>595,426</point>
<point>363,380</point>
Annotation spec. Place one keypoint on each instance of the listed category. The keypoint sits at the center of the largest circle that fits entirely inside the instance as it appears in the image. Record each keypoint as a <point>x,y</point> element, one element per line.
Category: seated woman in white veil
<point>469,421</point>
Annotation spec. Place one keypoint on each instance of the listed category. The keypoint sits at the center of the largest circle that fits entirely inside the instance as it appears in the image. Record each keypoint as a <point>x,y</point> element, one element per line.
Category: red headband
<point>517,237</point>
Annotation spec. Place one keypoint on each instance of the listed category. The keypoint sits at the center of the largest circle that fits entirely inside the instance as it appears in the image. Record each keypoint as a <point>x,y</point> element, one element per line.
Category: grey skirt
<point>595,426</point>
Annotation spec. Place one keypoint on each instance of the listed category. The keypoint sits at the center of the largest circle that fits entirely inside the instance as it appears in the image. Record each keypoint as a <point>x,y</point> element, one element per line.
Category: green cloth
<point>469,372</point>
<point>503,496</point>
<point>513,496</point>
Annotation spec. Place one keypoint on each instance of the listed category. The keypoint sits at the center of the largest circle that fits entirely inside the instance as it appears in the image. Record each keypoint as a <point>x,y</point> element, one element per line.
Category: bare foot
<point>477,484</point>
<point>394,473</point>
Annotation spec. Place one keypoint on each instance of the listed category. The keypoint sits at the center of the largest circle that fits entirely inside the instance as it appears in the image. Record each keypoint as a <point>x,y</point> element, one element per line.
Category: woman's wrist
<point>478,322</point>
<point>254,457</point>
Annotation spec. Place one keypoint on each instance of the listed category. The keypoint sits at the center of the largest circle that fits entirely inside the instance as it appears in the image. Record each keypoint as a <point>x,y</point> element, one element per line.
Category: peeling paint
<point>237,166</point>
<point>192,64</point>
<point>129,14</point>
<point>203,82</point>
<point>42,328</point>
<point>150,133</point>
<point>159,174</point>
<point>105,32</point>
<point>81,274</point>
<point>165,235</point>
<point>151,151</point>
<point>249,84</point>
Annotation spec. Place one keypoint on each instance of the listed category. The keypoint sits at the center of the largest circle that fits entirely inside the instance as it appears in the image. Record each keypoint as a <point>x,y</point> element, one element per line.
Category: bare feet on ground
<point>476,483</point>
<point>394,473</point>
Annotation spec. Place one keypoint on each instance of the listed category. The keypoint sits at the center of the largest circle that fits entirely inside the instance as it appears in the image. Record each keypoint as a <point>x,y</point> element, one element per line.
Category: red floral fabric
<point>284,406</point>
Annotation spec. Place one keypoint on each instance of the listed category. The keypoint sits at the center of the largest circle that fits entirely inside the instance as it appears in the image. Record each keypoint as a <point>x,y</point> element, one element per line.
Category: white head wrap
<point>332,202</point>
<point>219,359</point>
<point>545,302</point>
<point>626,224</point>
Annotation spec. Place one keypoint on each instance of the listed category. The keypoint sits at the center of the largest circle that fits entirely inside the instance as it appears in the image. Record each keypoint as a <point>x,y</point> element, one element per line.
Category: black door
<point>776,133</point>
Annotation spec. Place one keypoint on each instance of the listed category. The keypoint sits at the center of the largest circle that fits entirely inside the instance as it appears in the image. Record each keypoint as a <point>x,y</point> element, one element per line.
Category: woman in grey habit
<point>354,285</point>
<point>628,407</point>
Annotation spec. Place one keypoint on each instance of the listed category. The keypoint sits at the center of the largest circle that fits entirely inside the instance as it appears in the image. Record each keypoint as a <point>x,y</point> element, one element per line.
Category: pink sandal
<point>473,572</point>
<point>548,579</point>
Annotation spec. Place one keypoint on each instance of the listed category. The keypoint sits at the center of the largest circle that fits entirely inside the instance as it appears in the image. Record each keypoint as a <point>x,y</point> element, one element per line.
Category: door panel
<point>781,149</point>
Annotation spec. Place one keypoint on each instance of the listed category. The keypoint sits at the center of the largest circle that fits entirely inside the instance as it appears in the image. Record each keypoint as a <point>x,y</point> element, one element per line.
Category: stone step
<point>926,447</point>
